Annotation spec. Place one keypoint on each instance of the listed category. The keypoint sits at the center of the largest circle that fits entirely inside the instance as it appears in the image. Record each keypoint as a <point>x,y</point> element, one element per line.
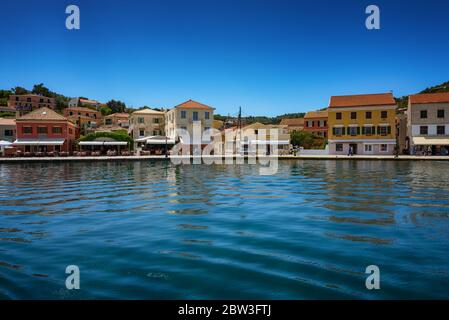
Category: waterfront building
<point>428,123</point>
<point>117,119</point>
<point>44,130</point>
<point>184,115</point>
<point>145,124</point>
<point>315,122</point>
<point>364,123</point>
<point>7,109</point>
<point>250,137</point>
<point>86,119</point>
<point>7,129</point>
<point>25,103</point>
<point>294,124</point>
<point>81,102</point>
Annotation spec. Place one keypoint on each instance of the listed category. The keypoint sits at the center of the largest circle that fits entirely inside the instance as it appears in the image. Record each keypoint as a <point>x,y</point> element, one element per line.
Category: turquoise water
<point>152,230</point>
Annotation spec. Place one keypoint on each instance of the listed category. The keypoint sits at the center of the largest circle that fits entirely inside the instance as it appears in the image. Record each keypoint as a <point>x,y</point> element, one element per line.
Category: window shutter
<point>363,130</point>
<point>389,129</point>
<point>378,130</point>
<point>343,131</point>
<point>358,130</point>
<point>333,131</point>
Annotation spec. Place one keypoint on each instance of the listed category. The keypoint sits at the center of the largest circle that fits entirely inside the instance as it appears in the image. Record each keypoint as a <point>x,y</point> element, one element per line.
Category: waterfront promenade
<point>283,157</point>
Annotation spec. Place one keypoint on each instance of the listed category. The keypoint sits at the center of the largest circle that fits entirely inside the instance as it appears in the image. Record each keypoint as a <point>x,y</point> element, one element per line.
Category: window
<point>383,130</point>
<point>56,130</point>
<point>353,115</point>
<point>140,120</point>
<point>183,114</point>
<point>338,115</point>
<point>195,115</point>
<point>28,99</point>
<point>440,130</point>
<point>423,114</point>
<point>423,130</point>
<point>9,133</point>
<point>207,115</point>
<point>141,133</point>
<point>368,115</point>
<point>41,100</point>
<point>338,131</point>
<point>256,131</point>
<point>368,148</point>
<point>440,113</point>
<point>322,123</point>
<point>27,130</point>
<point>353,131</point>
<point>156,120</point>
<point>339,147</point>
<point>108,121</point>
<point>17,98</point>
<point>383,148</point>
<point>42,130</point>
<point>71,113</point>
<point>70,131</point>
<point>384,114</point>
<point>368,131</point>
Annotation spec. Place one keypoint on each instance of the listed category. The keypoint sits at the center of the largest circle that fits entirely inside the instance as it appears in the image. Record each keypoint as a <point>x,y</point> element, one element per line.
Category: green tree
<point>116,106</point>
<point>105,110</point>
<point>307,140</point>
<point>42,90</point>
<point>19,90</point>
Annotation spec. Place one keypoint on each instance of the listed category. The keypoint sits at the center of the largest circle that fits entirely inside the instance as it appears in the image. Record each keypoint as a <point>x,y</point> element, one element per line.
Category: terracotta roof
<point>84,109</point>
<point>148,111</point>
<point>7,122</point>
<point>89,101</point>
<point>190,104</point>
<point>123,115</point>
<point>430,98</point>
<point>316,114</point>
<point>43,114</point>
<point>380,99</point>
<point>293,122</point>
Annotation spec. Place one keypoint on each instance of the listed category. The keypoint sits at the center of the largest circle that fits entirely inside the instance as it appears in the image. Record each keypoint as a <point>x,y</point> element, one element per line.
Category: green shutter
<point>389,130</point>
<point>343,131</point>
<point>358,131</point>
<point>378,130</point>
<point>333,131</point>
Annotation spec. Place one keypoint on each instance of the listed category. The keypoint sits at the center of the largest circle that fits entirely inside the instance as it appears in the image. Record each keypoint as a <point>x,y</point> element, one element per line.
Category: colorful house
<point>428,123</point>
<point>25,103</point>
<point>7,129</point>
<point>117,119</point>
<point>44,130</point>
<point>315,122</point>
<point>363,124</point>
<point>85,118</point>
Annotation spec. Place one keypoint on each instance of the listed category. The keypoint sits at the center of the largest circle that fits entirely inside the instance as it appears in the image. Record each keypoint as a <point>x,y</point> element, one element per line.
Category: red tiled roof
<point>293,122</point>
<point>430,98</point>
<point>190,104</point>
<point>360,100</point>
<point>43,114</point>
<point>316,114</point>
<point>7,122</point>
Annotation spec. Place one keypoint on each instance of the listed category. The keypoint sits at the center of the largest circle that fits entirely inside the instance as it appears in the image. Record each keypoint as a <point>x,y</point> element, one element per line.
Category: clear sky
<point>270,57</point>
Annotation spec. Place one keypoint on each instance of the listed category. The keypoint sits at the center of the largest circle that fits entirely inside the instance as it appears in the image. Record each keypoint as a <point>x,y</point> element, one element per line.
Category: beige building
<point>146,123</point>
<point>428,122</point>
<point>7,129</point>
<point>184,115</point>
<point>117,120</point>
<point>251,137</point>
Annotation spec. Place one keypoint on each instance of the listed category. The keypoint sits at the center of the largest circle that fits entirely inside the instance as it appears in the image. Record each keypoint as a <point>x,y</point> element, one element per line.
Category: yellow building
<point>362,124</point>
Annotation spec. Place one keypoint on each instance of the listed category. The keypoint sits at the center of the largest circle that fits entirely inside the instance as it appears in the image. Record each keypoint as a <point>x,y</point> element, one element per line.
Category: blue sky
<point>270,57</point>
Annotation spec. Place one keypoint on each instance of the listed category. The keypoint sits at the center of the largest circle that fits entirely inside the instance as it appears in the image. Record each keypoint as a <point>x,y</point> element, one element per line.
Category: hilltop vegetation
<point>444,87</point>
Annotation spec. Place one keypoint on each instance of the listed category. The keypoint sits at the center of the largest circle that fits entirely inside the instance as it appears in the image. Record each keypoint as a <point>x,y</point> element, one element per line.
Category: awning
<point>39,142</point>
<point>156,140</point>
<point>4,143</point>
<point>103,143</point>
<point>431,141</point>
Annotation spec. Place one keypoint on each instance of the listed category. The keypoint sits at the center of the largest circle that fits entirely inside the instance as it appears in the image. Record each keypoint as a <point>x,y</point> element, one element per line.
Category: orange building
<point>315,122</point>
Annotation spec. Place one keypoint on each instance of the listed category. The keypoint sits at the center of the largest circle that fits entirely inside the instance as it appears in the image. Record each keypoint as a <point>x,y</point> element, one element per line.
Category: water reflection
<point>155,230</point>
